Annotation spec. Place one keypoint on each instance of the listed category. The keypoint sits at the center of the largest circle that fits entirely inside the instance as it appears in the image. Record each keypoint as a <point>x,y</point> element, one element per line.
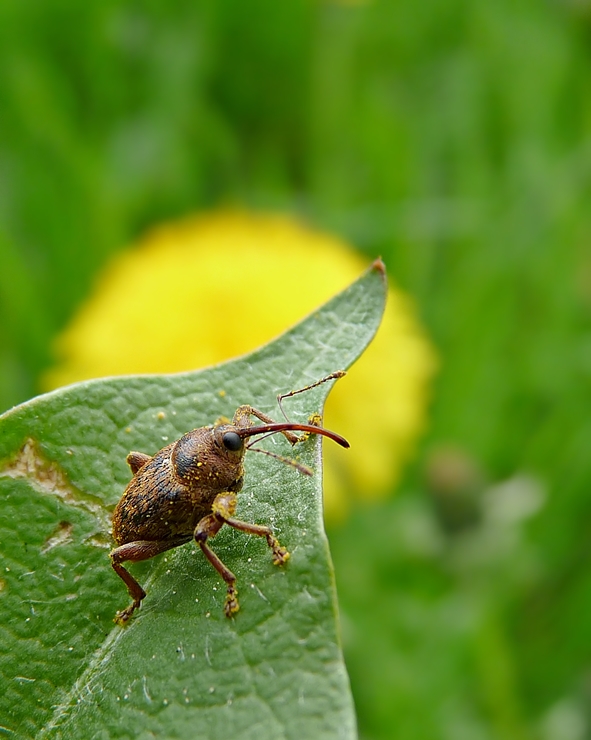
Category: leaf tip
<point>378,266</point>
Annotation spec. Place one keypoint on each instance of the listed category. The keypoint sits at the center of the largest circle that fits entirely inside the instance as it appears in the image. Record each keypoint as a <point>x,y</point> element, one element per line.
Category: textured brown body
<point>158,503</point>
<point>188,490</point>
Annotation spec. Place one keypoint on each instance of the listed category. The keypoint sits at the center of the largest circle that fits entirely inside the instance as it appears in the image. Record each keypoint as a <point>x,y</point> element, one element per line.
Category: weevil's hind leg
<point>209,526</point>
<point>280,554</point>
<point>137,460</point>
<point>134,552</point>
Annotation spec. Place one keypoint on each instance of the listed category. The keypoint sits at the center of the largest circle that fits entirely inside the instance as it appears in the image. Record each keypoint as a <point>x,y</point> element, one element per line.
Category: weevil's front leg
<point>134,552</point>
<point>224,506</point>
<point>209,526</point>
<point>242,419</point>
<point>280,554</point>
<point>223,509</point>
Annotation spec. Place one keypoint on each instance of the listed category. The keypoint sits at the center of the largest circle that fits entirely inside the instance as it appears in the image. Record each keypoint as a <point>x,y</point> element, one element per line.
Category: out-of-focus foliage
<point>202,290</point>
<point>453,138</point>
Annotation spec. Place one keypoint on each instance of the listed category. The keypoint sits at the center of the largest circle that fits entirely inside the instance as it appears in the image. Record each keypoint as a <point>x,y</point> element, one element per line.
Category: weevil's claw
<point>315,420</point>
<point>280,554</point>
<point>231,606</point>
<point>122,617</point>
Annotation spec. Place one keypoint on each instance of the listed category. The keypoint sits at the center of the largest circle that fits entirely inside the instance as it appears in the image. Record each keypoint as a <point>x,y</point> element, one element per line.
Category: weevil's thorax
<point>201,461</point>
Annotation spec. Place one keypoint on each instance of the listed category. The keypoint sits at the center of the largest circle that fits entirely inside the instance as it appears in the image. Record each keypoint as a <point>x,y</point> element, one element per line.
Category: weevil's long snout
<point>289,427</point>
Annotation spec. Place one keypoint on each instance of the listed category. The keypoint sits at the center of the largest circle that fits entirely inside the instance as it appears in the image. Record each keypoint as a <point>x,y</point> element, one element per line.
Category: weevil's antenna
<point>288,461</point>
<point>332,376</point>
<point>260,439</point>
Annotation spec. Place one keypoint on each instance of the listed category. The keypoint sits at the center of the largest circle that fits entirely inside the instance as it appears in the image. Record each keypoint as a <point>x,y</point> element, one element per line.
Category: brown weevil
<point>188,490</point>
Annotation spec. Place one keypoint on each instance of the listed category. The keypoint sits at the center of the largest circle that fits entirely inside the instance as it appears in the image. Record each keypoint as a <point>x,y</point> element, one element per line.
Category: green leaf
<point>180,668</point>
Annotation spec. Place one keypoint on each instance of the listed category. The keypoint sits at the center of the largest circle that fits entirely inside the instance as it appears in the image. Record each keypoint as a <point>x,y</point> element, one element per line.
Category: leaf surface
<point>180,669</point>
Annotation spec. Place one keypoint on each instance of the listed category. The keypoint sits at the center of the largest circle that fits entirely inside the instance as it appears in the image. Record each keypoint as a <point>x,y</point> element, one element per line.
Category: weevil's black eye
<point>232,441</point>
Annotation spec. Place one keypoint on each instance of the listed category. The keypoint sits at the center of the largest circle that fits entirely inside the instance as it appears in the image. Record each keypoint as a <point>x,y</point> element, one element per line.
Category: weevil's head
<point>210,457</point>
<point>213,457</point>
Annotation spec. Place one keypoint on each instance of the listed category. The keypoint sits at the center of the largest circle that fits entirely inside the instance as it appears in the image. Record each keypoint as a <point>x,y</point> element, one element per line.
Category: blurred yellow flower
<point>208,266</point>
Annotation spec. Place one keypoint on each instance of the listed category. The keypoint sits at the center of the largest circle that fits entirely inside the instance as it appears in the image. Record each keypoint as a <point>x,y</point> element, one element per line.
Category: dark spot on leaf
<point>61,535</point>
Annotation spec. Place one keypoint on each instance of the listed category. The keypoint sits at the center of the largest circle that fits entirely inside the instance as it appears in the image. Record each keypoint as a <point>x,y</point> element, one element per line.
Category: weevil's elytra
<point>188,490</point>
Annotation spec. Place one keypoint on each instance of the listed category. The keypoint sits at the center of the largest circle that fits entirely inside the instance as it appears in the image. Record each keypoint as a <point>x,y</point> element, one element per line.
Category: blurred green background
<point>454,139</point>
